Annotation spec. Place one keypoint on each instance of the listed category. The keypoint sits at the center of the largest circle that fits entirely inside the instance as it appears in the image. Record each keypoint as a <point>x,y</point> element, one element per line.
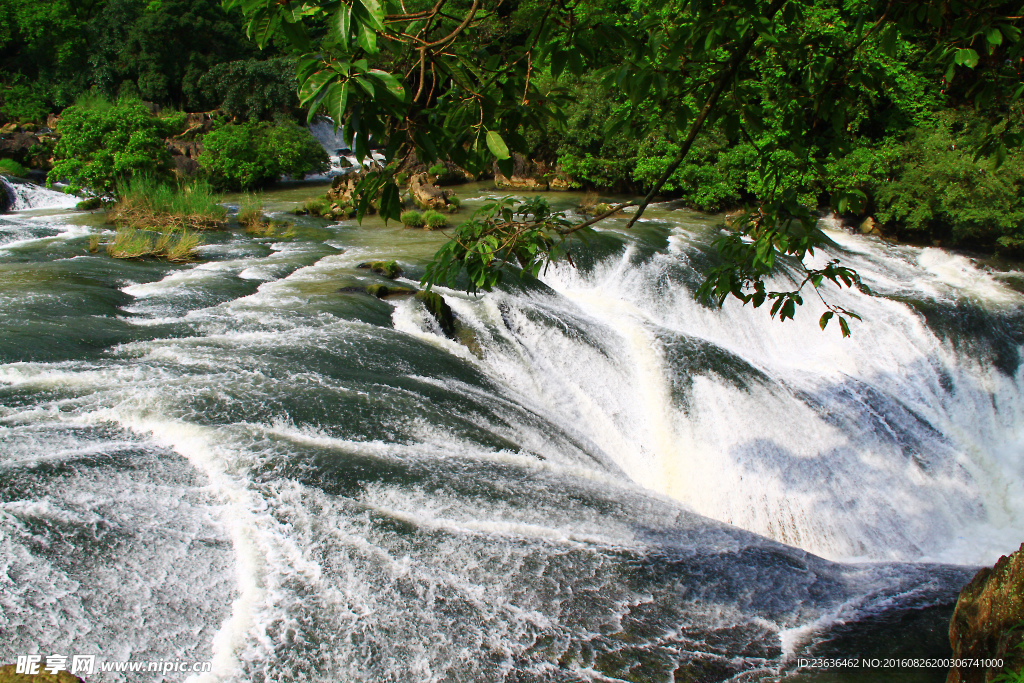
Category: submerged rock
<point>988,622</point>
<point>8,675</point>
<point>385,291</point>
<point>389,269</point>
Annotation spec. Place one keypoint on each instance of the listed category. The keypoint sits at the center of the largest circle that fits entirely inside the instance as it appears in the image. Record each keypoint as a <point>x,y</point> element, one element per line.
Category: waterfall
<point>252,462</point>
<point>338,148</point>
<point>25,195</point>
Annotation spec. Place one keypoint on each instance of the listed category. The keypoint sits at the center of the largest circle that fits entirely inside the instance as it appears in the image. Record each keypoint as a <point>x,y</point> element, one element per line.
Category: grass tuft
<point>176,245</point>
<point>146,202</point>
<point>12,168</point>
<point>412,219</point>
<point>435,220</point>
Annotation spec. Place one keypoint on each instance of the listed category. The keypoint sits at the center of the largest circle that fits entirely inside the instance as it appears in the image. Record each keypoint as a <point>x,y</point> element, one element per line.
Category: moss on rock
<point>389,269</point>
<point>442,312</point>
<point>385,291</point>
<point>988,622</point>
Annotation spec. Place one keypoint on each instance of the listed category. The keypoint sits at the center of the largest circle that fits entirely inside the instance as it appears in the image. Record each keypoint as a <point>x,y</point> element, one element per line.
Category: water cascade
<point>247,461</point>
<point>25,195</point>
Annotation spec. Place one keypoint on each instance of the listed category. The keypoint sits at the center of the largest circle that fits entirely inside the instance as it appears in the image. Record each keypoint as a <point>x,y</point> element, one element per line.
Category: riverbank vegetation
<point>901,117</point>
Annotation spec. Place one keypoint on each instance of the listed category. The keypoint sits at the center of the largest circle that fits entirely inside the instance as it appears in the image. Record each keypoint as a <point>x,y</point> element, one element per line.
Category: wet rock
<point>8,675</point>
<point>442,312</point>
<point>387,291</point>
<point>531,175</point>
<point>869,227</point>
<point>428,196</point>
<point>389,269</point>
<point>6,197</point>
<point>988,622</point>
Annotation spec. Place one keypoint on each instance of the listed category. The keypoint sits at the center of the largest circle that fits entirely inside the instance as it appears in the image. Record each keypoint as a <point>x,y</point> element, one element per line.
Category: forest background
<point>915,153</point>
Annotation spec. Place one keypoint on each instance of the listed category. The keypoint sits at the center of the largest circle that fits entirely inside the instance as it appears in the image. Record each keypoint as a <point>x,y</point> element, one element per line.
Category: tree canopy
<point>472,79</point>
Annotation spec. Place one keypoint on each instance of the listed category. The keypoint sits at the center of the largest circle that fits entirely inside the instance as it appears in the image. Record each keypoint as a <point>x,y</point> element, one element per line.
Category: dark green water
<point>236,461</point>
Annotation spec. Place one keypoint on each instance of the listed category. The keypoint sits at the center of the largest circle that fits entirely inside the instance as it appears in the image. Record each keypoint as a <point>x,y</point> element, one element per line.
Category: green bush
<point>412,219</point>
<point>99,147</point>
<point>435,220</point>
<point>250,155</point>
<point>12,168</point>
<point>932,188</point>
<point>26,103</point>
<point>249,90</point>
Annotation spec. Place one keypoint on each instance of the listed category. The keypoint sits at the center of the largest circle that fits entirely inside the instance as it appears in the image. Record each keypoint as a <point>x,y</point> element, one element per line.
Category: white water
<point>31,196</point>
<point>300,493</point>
<point>890,445</point>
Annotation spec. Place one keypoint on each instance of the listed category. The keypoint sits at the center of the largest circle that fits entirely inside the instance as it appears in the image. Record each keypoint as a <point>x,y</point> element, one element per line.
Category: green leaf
<point>558,61</point>
<point>343,21</point>
<point>497,145</point>
<point>336,101</point>
<point>994,36</point>
<point>966,57</point>
<point>375,14</point>
<point>825,317</point>
<point>367,39</point>
<point>844,326</point>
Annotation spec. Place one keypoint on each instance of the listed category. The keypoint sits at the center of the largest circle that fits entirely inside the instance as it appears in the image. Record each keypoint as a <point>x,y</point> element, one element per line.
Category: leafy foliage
<point>100,147</point>
<point>784,83</point>
<point>249,155</point>
<point>248,90</point>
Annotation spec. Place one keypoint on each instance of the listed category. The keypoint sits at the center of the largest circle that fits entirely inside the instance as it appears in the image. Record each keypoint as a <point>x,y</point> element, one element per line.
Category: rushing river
<point>233,461</point>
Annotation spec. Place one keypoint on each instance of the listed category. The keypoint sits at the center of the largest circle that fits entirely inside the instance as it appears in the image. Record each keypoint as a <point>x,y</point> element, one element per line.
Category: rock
<point>385,291</point>
<point>389,269</point>
<point>52,121</point>
<point>6,197</point>
<point>25,148</point>
<point>869,227</point>
<point>987,621</point>
<point>8,675</point>
<point>442,312</point>
<point>427,195</point>
<point>185,166</point>
<point>531,175</point>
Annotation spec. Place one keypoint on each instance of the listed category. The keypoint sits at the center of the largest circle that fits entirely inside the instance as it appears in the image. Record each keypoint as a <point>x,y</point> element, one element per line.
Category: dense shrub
<point>932,187</point>
<point>250,155</point>
<point>99,147</point>
<point>248,90</point>
<point>25,103</point>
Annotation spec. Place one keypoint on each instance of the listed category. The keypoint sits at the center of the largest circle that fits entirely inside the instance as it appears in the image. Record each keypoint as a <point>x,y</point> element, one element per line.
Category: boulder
<point>426,195</point>
<point>389,269</point>
<point>869,227</point>
<point>442,312</point>
<point>531,175</point>
<point>7,198</point>
<point>25,148</point>
<point>988,622</point>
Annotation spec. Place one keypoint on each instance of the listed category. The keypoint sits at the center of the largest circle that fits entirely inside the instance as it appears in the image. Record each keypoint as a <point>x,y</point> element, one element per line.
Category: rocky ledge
<point>988,622</point>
